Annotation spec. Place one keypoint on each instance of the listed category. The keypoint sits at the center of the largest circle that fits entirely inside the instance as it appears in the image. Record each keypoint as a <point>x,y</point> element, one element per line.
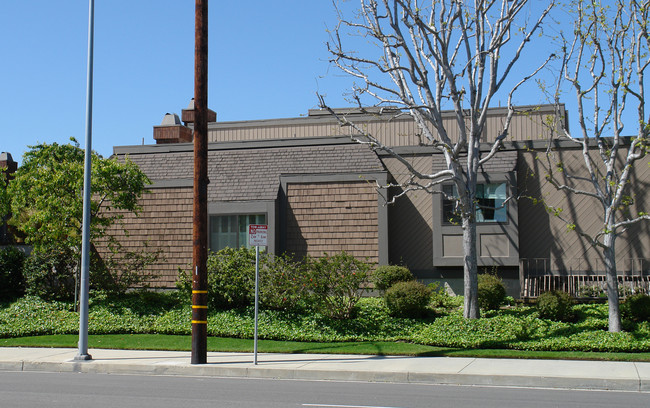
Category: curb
<point>222,370</point>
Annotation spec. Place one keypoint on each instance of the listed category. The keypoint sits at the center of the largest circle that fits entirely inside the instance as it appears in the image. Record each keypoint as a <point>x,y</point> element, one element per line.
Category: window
<point>450,208</point>
<point>232,230</point>
<point>491,203</point>
<point>490,199</point>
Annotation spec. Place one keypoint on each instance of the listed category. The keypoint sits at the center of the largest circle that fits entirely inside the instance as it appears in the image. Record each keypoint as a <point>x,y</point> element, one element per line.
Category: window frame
<point>447,237</point>
<point>237,233</point>
<point>456,220</point>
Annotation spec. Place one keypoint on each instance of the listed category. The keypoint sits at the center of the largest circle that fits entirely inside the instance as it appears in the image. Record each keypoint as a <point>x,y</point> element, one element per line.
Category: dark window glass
<point>491,206</point>
<point>232,230</point>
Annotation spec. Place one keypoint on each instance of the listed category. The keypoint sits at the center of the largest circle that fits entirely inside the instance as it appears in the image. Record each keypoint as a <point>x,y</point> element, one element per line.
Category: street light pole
<point>82,353</point>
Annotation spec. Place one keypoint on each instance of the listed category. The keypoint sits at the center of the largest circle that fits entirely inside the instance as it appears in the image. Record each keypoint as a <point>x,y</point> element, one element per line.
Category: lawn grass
<point>183,343</point>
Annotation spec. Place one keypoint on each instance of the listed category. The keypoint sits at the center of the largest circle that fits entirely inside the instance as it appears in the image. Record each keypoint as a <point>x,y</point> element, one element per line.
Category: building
<point>7,168</point>
<point>321,192</point>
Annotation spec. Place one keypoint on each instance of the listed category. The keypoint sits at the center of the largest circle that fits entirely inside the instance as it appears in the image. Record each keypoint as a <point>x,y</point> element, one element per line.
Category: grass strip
<point>183,343</point>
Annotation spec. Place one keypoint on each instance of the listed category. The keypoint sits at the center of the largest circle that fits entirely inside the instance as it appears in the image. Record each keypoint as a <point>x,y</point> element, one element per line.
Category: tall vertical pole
<point>82,353</point>
<point>200,218</point>
<point>257,301</point>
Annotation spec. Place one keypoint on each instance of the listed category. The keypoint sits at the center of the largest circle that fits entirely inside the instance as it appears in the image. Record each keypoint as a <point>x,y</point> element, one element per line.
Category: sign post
<point>257,236</point>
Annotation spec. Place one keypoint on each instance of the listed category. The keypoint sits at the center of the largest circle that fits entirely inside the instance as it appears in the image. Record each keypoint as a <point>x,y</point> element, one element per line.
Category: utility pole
<point>200,217</point>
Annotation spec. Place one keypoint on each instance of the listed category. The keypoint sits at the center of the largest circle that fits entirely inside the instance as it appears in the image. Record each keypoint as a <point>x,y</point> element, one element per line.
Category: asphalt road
<point>54,390</point>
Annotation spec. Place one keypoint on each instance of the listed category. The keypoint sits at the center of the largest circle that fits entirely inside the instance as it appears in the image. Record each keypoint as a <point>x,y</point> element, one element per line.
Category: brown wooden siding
<point>165,224</point>
<point>410,220</point>
<point>545,236</point>
<point>333,217</point>
<point>392,131</point>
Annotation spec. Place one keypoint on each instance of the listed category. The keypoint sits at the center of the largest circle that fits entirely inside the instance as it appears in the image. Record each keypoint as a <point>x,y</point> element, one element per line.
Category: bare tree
<point>604,63</point>
<point>436,55</point>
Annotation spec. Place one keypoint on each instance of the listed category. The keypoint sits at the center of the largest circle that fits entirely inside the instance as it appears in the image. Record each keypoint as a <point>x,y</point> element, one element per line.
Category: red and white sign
<point>257,235</point>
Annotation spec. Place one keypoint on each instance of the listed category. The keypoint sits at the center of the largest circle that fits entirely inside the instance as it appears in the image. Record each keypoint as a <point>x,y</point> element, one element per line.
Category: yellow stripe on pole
<point>199,322</point>
<point>199,307</point>
<point>200,291</point>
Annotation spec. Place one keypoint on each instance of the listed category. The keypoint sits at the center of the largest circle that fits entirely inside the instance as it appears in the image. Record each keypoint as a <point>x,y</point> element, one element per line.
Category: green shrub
<point>12,284</point>
<point>637,307</point>
<point>282,283</point>
<point>556,305</point>
<point>330,284</point>
<point>386,276</point>
<point>231,278</point>
<point>121,269</point>
<point>50,274</point>
<point>335,282</point>
<point>440,299</point>
<point>491,291</point>
<point>591,291</point>
<point>407,299</point>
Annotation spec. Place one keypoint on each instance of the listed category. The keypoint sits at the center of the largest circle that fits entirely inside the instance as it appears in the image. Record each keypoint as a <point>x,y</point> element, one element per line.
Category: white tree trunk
<point>471,309</point>
<point>609,253</point>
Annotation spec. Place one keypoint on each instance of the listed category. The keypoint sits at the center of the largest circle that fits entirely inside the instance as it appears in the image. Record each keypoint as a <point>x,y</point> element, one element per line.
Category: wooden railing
<point>582,278</point>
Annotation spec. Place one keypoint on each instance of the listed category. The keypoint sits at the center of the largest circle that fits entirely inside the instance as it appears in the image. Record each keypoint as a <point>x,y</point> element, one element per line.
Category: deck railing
<point>581,277</point>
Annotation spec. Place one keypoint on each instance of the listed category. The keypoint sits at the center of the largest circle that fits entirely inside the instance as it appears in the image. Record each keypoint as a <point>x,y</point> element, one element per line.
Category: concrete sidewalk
<point>590,375</point>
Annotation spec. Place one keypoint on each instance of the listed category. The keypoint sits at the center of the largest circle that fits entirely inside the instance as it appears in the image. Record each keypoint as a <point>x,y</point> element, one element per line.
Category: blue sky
<point>266,60</point>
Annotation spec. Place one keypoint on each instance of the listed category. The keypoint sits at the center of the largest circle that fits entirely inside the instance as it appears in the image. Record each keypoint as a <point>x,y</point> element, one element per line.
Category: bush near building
<point>12,283</point>
<point>556,305</point>
<point>491,291</point>
<point>408,299</point>
<point>331,285</point>
<point>386,276</point>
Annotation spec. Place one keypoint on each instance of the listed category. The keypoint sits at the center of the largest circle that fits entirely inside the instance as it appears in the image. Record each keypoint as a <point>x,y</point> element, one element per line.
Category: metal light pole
<point>82,354</point>
<point>200,217</point>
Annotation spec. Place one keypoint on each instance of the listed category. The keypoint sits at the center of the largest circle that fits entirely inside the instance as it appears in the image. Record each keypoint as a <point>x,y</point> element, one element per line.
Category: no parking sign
<point>257,235</point>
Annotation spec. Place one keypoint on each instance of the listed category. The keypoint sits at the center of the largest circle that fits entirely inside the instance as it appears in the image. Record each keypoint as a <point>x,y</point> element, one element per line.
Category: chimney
<point>172,131</point>
<point>7,168</point>
<point>188,114</point>
<point>7,165</point>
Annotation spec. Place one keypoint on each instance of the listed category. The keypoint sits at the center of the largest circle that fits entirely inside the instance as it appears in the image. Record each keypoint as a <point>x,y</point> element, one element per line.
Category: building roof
<point>251,171</point>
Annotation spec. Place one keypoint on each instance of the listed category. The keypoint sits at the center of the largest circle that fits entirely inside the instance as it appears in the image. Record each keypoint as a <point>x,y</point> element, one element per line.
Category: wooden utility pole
<point>200,217</point>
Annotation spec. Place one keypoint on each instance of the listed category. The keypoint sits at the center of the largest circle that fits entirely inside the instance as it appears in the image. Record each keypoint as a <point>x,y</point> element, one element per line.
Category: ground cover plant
<point>320,301</point>
<point>517,329</point>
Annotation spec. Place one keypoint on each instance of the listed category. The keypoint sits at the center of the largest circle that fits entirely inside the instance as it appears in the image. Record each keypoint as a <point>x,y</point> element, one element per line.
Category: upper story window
<point>232,230</point>
<point>491,203</point>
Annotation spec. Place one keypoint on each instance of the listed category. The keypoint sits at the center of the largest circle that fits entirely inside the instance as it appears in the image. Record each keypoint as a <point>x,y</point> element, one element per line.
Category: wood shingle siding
<point>332,217</point>
<point>545,236</point>
<point>392,128</point>
<point>410,218</point>
<point>165,224</point>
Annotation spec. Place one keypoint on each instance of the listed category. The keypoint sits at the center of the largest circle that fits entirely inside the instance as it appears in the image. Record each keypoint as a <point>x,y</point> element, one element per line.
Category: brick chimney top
<point>6,161</point>
<point>188,114</point>
<point>171,130</point>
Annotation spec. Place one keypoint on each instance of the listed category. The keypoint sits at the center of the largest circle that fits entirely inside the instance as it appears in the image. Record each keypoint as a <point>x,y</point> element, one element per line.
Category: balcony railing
<point>581,277</point>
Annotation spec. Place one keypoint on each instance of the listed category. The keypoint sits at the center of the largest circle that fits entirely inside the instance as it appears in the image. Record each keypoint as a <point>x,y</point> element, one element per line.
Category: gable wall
<point>546,236</point>
<point>165,224</point>
<point>410,220</point>
<point>332,217</point>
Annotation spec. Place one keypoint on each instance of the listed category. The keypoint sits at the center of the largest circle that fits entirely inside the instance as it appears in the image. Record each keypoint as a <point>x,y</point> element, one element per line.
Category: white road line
<point>342,406</point>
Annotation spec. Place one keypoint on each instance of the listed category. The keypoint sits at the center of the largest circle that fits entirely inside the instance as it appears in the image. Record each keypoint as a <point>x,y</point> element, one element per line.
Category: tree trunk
<point>609,254</point>
<point>470,278</point>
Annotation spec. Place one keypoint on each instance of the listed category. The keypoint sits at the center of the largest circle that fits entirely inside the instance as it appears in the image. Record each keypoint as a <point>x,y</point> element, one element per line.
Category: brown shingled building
<point>7,168</point>
<point>319,191</point>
